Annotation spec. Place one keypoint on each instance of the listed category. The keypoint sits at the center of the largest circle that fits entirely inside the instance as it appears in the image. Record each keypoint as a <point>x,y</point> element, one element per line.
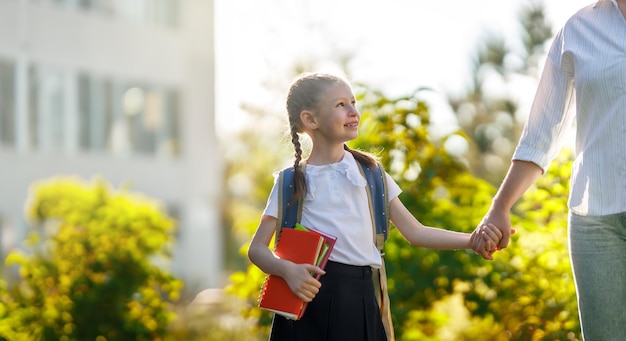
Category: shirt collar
<point>346,167</point>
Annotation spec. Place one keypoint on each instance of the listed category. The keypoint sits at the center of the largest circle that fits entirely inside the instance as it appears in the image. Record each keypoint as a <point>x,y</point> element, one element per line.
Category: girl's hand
<point>301,282</point>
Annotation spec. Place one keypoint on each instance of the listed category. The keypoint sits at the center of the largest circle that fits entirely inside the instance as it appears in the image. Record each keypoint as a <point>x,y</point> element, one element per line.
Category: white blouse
<point>336,203</point>
<point>588,59</point>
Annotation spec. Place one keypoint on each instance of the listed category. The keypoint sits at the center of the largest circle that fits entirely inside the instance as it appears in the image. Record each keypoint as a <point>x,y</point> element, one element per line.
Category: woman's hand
<point>492,234</point>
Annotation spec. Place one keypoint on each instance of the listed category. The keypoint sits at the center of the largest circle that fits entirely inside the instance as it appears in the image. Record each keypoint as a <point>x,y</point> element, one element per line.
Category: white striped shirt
<point>588,58</point>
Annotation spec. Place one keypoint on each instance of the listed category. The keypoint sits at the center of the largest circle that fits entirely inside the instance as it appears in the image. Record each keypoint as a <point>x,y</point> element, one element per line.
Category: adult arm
<point>520,176</point>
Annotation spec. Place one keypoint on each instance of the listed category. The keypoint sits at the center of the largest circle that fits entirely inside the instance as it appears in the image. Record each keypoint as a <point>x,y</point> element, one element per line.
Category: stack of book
<point>299,245</point>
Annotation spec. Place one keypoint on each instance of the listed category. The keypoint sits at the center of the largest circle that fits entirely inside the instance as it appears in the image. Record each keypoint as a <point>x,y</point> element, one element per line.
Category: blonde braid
<point>299,179</point>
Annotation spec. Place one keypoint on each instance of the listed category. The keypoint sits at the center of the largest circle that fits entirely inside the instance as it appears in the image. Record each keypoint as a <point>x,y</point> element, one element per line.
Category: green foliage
<point>526,294</point>
<point>491,119</point>
<point>90,270</point>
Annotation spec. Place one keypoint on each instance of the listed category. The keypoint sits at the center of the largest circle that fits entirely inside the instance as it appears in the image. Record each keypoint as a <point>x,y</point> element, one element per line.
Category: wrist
<point>468,242</point>
<point>498,206</point>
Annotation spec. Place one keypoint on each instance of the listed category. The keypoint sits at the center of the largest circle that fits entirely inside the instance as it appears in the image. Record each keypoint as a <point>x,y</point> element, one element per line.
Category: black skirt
<point>344,309</point>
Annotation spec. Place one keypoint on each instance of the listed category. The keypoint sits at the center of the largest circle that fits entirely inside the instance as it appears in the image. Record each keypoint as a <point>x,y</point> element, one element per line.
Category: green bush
<point>92,268</point>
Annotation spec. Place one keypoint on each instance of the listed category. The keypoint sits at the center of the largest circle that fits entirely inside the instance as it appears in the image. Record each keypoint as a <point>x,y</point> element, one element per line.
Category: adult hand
<point>499,219</point>
<point>484,240</point>
<point>480,244</point>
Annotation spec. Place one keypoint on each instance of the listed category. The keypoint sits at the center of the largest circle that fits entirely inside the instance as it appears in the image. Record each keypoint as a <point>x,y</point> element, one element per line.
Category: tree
<point>439,293</point>
<point>95,267</point>
<point>492,120</point>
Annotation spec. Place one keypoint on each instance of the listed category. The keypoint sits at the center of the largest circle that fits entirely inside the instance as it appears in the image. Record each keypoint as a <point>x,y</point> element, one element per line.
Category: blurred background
<point>182,101</point>
<point>118,89</point>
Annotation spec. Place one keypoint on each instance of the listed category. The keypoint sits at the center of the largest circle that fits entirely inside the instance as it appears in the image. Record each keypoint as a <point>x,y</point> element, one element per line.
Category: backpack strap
<point>379,204</point>
<point>289,213</point>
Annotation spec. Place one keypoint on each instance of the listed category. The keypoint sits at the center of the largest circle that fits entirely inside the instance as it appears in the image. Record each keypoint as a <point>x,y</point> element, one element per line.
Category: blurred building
<point>122,89</point>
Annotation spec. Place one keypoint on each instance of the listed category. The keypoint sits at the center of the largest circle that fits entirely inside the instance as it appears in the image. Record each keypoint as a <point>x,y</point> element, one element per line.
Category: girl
<point>335,197</point>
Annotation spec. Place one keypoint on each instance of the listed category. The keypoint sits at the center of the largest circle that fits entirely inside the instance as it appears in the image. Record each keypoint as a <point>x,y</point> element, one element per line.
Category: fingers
<point>314,270</point>
<point>486,254</point>
<point>489,245</point>
<point>479,245</point>
<point>309,287</point>
<point>504,241</point>
<point>307,292</point>
<point>485,240</point>
<point>491,233</point>
<point>482,248</point>
<point>495,230</point>
<point>500,236</point>
<point>475,240</point>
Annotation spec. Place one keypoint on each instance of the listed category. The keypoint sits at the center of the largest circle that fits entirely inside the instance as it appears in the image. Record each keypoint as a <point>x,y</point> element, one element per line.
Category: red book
<point>329,243</point>
<point>299,247</point>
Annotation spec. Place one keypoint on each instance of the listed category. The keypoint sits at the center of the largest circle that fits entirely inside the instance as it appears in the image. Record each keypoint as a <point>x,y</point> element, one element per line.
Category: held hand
<point>484,240</point>
<point>502,221</point>
<point>487,245</point>
<point>301,282</point>
<point>491,236</point>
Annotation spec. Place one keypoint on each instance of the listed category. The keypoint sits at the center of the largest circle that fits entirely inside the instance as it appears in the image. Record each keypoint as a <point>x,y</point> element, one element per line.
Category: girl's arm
<point>297,276</point>
<point>431,237</point>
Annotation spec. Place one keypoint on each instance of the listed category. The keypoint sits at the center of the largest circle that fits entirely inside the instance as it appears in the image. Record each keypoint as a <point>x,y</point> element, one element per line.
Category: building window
<point>161,13</point>
<point>151,116</point>
<point>7,103</point>
<point>94,113</point>
<point>67,112</point>
<point>170,143</point>
<point>7,236</point>
<point>163,120</point>
<point>33,108</point>
<point>140,118</point>
<point>51,109</point>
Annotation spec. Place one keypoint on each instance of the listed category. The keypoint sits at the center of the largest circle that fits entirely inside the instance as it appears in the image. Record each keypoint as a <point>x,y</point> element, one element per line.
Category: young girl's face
<point>337,115</point>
